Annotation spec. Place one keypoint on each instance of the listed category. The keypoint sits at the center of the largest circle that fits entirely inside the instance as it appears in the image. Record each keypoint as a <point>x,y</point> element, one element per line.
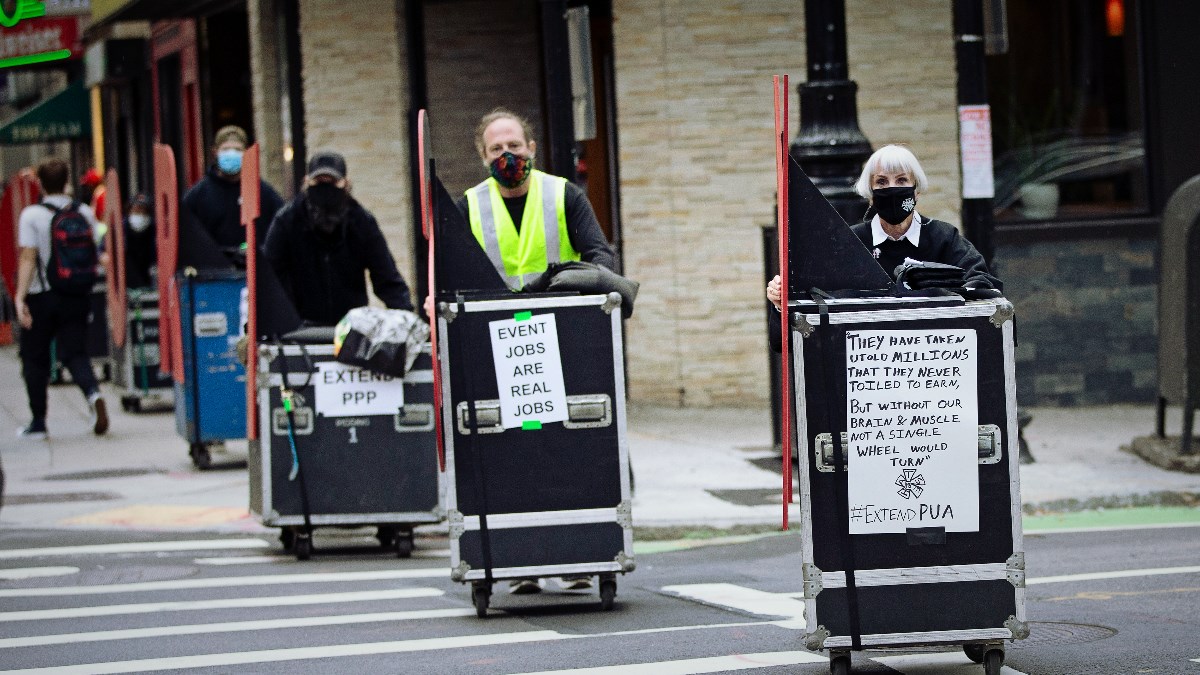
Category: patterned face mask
<point>894,204</point>
<point>511,170</point>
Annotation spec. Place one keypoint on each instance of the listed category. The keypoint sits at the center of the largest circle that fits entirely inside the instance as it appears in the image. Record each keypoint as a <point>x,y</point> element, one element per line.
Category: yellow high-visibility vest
<point>543,238</point>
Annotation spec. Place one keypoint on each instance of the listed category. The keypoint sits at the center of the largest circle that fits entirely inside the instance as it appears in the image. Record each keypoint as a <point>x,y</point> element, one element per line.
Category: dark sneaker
<point>35,431</point>
<point>99,414</point>
<point>575,583</point>
<point>525,587</point>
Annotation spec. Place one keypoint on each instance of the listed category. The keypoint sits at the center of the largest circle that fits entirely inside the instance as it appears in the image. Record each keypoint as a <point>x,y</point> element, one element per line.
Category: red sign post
<point>250,211</point>
<point>114,240</point>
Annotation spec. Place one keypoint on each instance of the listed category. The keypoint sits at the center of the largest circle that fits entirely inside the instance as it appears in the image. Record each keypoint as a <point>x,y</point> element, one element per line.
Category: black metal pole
<point>556,66</point>
<point>830,147</point>
<point>969,54</point>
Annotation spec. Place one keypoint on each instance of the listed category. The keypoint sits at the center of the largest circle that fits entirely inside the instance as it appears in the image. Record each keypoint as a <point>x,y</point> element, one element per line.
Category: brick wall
<point>1087,323</point>
<point>356,102</point>
<point>694,116</point>
<point>266,85</point>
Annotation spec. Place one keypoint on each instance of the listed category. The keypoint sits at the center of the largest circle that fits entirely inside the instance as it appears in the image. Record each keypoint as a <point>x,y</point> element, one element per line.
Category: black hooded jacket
<point>215,203</point>
<point>323,273</point>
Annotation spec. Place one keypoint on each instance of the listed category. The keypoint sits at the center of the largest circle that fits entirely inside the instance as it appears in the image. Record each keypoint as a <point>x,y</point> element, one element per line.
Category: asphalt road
<point>1100,602</point>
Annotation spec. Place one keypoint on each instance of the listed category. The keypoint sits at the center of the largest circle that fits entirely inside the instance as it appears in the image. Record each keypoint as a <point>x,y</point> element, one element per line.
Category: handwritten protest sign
<point>528,370</point>
<point>912,423</point>
<point>343,390</point>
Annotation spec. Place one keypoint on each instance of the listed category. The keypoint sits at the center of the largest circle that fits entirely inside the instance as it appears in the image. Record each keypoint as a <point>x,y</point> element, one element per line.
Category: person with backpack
<point>55,276</point>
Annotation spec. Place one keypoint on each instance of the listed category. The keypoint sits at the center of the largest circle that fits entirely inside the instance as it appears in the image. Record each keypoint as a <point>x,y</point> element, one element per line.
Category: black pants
<point>61,319</point>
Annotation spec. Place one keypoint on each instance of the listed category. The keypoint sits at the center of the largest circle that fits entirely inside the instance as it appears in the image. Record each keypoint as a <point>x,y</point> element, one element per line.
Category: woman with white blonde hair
<point>892,181</point>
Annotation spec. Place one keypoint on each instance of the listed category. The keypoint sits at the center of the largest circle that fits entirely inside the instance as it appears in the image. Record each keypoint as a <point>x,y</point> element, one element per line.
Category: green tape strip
<point>531,425</point>
<point>523,316</point>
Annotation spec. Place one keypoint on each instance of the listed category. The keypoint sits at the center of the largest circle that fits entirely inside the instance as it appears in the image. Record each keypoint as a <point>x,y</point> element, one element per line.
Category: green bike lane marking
<point>1114,519</point>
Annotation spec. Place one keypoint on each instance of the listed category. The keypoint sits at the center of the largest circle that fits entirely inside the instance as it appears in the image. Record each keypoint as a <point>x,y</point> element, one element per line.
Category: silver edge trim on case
<point>264,451</point>
<point>501,521</point>
<point>406,517</point>
<point>528,302</point>
<point>929,637</point>
<point>879,300</point>
<point>1014,452</point>
<point>451,500</point>
<point>618,338</point>
<point>956,312</point>
<point>918,575</point>
<point>802,442</point>
<point>545,571</point>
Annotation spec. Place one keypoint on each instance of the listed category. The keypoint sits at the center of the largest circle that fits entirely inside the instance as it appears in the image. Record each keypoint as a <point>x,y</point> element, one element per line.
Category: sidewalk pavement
<point>692,467</point>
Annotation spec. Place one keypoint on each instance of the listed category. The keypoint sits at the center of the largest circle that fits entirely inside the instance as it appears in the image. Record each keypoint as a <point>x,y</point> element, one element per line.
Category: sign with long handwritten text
<point>912,424</point>
<point>528,370</point>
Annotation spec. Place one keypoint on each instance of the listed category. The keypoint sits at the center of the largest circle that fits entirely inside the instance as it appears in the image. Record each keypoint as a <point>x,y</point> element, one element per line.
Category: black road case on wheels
<point>374,467</point>
<point>909,488</point>
<point>537,464</point>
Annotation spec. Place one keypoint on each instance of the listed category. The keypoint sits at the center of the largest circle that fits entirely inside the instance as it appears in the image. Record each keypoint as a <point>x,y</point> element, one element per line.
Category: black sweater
<point>215,203</point>
<point>323,274</point>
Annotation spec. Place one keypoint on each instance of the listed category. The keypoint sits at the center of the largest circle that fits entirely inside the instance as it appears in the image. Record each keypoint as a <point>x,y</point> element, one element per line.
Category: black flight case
<point>537,461</point>
<point>911,524</point>
<point>136,362</point>
<point>373,467</point>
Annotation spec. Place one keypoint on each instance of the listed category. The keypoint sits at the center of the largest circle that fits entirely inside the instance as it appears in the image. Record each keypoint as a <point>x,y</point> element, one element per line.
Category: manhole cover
<point>1061,633</point>
<point>105,473</point>
<point>60,498</point>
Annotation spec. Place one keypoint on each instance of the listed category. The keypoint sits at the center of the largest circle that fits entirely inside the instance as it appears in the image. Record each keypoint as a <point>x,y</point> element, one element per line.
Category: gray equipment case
<point>135,365</point>
<point>546,501</point>
<point>914,584</point>
<point>379,470</point>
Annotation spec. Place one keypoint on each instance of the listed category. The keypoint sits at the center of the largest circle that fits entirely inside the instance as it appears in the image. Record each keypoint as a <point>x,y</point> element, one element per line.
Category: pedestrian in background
<point>321,244</point>
<point>55,274</point>
<point>141,253</point>
<point>215,201</point>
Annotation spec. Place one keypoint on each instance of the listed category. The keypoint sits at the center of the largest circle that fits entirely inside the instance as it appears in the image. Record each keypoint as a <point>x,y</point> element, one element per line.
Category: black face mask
<point>327,205</point>
<point>894,204</point>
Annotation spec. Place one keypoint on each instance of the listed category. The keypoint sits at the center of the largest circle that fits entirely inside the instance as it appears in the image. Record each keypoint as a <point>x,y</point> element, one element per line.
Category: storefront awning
<point>65,116</point>
<point>105,12</point>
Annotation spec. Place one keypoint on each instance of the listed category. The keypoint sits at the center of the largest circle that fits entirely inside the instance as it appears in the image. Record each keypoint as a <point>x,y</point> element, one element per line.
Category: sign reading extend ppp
<point>528,370</point>
<point>343,390</point>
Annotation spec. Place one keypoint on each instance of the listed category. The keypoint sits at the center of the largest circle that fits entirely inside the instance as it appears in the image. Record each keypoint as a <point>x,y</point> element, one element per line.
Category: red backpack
<point>71,269</point>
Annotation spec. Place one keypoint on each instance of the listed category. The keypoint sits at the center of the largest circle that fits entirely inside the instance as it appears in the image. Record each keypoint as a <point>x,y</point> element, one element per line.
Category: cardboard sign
<point>912,422</point>
<point>343,390</point>
<point>528,370</point>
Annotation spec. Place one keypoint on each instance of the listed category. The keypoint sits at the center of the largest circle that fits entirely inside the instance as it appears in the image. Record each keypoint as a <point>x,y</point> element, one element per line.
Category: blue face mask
<point>229,161</point>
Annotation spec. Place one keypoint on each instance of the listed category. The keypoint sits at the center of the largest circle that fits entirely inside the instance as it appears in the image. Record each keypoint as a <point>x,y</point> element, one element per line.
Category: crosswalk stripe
<point>229,582</point>
<point>731,596</point>
<point>231,627</point>
<point>20,573</point>
<point>1118,574</point>
<point>224,603</point>
<point>242,560</point>
<point>934,664</point>
<point>138,547</point>
<point>299,653</point>
<point>713,664</point>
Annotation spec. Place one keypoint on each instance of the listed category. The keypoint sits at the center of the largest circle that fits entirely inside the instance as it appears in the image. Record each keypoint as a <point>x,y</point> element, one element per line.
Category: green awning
<point>65,116</point>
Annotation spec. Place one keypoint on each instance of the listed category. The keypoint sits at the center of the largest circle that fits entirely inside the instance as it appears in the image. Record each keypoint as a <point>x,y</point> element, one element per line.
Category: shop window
<point>1065,86</point>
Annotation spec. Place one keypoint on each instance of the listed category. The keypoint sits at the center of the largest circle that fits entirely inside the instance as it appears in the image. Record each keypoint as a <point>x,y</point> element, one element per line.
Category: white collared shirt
<point>913,234</point>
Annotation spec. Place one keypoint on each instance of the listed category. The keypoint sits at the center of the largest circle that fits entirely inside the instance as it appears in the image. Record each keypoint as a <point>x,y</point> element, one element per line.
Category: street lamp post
<point>830,147</point>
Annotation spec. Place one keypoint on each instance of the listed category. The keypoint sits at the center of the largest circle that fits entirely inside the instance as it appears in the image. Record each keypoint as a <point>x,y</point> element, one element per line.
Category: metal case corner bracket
<point>612,302</point>
<point>625,514</point>
<point>800,323</point>
<point>813,582</point>
<point>1004,312</point>
<point>1015,569</point>
<point>459,573</point>
<point>448,311</point>
<point>816,639</point>
<point>455,525</point>
<point>626,562</point>
<point>1018,628</point>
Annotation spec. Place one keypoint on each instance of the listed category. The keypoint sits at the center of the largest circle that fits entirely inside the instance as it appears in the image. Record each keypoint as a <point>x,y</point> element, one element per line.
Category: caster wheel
<point>106,372</point>
<point>386,536</point>
<point>404,544</point>
<point>201,456</point>
<point>480,596</point>
<point>135,405</point>
<point>993,661</point>
<point>303,546</point>
<point>975,652</point>
<point>839,665</point>
<point>127,403</point>
<point>608,594</point>
<point>287,537</point>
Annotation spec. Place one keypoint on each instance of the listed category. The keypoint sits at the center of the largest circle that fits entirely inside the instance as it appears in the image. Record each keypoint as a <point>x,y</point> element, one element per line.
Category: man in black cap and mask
<point>322,242</point>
